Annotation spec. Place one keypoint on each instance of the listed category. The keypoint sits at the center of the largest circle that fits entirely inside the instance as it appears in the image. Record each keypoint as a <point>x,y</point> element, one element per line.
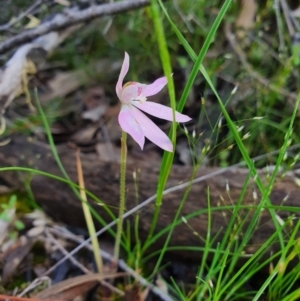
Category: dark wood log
<point>102,179</point>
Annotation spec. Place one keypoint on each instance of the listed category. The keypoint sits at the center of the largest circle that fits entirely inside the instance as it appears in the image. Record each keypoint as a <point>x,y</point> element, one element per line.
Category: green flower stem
<point>88,216</point>
<point>122,194</point>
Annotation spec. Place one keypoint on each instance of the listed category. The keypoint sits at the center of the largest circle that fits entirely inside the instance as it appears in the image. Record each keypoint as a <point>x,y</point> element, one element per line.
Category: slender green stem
<point>122,194</point>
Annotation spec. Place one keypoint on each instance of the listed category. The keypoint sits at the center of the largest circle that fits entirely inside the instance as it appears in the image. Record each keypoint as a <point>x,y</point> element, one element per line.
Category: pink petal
<point>155,87</point>
<point>124,70</point>
<point>130,126</point>
<point>152,131</point>
<point>160,111</point>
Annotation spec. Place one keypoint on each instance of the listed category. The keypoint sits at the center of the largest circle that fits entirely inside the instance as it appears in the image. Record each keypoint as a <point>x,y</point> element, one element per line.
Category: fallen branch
<point>68,18</point>
<point>102,179</point>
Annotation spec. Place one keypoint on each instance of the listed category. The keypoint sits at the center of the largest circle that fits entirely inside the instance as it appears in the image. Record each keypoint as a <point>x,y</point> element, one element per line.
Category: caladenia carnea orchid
<point>133,97</point>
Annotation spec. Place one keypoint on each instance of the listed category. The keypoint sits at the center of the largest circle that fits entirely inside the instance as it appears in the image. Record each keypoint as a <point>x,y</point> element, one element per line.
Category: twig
<point>71,17</point>
<point>121,264</point>
<point>263,81</point>
<point>291,21</point>
<point>65,252</point>
<point>21,16</point>
<point>78,264</point>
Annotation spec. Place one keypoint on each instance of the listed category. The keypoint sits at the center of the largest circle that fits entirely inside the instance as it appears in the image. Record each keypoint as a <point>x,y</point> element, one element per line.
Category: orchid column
<point>133,97</point>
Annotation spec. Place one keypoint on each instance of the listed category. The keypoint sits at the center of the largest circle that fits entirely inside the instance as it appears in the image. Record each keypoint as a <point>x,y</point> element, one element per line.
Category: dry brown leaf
<point>246,18</point>
<point>14,255</point>
<point>70,288</point>
<point>85,135</point>
<point>64,83</point>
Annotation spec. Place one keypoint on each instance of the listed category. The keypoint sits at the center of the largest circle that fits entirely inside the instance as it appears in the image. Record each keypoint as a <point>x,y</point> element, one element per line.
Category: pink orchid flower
<point>134,98</point>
